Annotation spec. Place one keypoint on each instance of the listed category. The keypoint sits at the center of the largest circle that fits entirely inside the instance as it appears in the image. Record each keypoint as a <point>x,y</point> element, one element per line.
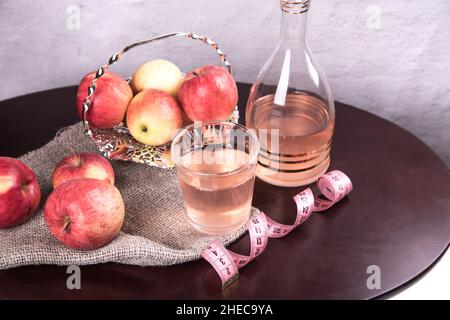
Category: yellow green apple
<point>157,74</point>
<point>153,117</point>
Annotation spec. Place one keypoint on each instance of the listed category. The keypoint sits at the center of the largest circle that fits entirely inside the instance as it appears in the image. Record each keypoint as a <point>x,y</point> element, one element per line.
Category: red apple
<point>109,102</point>
<point>208,93</point>
<point>84,214</point>
<point>82,165</point>
<point>19,192</point>
<point>153,117</point>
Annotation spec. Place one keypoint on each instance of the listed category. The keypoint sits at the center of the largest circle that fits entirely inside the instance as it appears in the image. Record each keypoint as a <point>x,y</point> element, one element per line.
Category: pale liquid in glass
<point>300,151</point>
<point>217,204</point>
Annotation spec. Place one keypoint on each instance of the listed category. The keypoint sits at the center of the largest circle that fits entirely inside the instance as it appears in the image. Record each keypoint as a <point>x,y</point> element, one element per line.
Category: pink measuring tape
<point>334,186</point>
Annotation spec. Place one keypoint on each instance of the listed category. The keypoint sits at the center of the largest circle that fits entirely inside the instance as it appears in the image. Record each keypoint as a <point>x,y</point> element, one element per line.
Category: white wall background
<point>389,57</point>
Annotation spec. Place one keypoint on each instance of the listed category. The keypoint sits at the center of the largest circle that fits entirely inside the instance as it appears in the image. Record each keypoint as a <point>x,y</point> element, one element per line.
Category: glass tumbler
<point>216,163</point>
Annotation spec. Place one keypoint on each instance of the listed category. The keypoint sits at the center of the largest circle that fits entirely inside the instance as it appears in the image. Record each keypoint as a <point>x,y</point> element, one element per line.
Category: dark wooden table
<point>397,218</point>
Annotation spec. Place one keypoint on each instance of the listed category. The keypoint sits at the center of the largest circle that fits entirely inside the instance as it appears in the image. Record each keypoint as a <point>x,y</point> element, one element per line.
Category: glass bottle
<point>291,107</point>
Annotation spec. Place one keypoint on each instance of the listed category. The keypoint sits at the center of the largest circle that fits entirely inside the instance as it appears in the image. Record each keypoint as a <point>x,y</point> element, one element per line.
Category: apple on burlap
<point>85,214</point>
<point>82,165</point>
<point>19,192</point>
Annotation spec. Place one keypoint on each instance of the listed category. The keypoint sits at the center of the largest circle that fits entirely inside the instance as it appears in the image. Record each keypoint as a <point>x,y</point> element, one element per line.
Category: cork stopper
<point>294,6</point>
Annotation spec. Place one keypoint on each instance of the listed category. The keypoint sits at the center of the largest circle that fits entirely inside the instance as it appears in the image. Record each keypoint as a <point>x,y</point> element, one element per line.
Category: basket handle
<point>117,56</point>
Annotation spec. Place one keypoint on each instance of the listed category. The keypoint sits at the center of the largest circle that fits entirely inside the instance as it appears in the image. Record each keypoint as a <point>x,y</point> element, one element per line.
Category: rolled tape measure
<point>333,186</point>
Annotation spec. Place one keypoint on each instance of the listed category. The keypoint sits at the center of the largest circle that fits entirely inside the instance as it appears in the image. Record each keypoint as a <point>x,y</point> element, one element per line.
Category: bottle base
<point>292,179</point>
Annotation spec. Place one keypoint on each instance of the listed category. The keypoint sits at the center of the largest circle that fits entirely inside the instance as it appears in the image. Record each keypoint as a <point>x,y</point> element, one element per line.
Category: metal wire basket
<point>117,143</point>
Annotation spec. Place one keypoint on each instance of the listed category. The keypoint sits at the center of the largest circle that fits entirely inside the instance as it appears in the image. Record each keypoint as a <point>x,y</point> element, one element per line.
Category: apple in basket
<point>19,192</point>
<point>153,117</point>
<point>82,165</point>
<point>157,74</point>
<point>85,214</point>
<point>109,102</point>
<point>208,93</point>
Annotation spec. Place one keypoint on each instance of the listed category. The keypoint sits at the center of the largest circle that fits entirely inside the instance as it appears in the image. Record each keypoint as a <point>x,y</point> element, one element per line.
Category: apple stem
<point>70,150</point>
<point>24,186</point>
<point>67,223</point>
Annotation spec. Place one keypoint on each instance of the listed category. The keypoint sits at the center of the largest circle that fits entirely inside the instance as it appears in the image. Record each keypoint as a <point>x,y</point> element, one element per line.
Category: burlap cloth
<point>156,231</point>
